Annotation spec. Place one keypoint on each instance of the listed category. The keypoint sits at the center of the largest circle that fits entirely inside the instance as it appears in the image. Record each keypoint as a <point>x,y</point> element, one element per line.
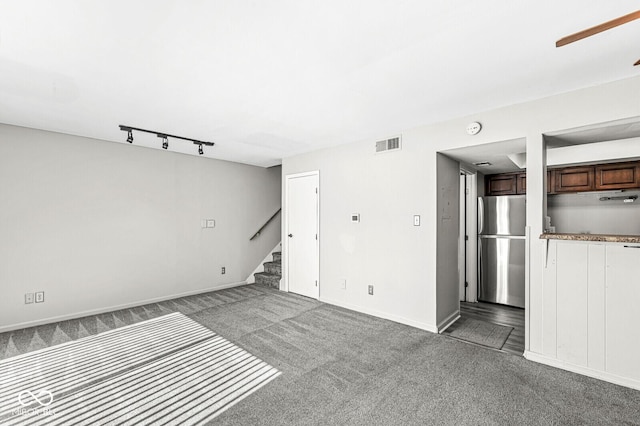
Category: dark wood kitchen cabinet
<point>599,177</point>
<point>521,183</point>
<point>502,184</point>
<point>575,179</point>
<point>513,183</point>
<point>617,176</point>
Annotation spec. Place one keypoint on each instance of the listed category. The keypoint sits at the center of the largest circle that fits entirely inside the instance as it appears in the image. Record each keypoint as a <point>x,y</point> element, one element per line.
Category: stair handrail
<point>265,224</point>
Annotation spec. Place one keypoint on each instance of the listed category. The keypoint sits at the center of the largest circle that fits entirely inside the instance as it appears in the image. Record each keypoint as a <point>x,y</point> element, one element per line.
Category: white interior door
<point>302,243</point>
<point>472,234</point>
<point>468,264</point>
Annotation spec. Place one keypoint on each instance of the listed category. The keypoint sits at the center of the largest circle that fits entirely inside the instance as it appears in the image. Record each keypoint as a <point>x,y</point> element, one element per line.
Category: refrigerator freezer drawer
<point>501,263</point>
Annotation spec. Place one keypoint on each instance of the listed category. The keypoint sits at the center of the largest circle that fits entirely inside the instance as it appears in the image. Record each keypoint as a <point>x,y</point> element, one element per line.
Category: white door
<point>301,240</point>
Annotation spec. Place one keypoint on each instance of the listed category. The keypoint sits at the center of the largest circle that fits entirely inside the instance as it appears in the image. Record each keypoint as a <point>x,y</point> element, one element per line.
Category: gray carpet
<point>481,332</point>
<point>167,370</point>
<point>341,367</point>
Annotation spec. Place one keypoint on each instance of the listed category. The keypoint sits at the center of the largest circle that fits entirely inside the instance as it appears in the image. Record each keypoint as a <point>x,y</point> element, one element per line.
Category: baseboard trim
<point>446,323</point>
<point>384,315</point>
<point>585,371</point>
<point>98,311</point>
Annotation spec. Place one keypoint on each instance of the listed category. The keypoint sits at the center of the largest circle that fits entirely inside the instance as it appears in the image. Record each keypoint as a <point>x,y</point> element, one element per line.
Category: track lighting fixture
<point>165,141</point>
<point>165,138</point>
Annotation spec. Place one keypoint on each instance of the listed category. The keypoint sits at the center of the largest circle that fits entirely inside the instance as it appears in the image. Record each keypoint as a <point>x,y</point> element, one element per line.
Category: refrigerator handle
<point>480,215</point>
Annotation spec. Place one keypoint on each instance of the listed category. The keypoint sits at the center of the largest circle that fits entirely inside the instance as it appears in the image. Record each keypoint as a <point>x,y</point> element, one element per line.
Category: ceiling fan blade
<point>598,28</point>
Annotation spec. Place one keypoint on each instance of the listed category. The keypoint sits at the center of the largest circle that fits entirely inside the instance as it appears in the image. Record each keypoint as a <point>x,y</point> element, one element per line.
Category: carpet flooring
<point>168,370</point>
<point>345,368</point>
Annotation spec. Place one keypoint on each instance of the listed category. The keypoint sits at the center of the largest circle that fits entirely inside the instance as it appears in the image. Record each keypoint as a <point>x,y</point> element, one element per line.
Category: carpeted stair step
<point>273,268</point>
<point>272,280</point>
<point>272,272</point>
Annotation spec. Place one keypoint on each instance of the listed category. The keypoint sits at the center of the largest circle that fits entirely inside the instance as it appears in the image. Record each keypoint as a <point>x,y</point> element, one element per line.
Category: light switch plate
<point>211,223</point>
<point>416,220</point>
<point>39,296</point>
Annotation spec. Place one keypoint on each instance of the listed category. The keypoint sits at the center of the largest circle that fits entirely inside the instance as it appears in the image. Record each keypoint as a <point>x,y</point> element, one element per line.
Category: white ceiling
<point>270,79</point>
<point>500,156</point>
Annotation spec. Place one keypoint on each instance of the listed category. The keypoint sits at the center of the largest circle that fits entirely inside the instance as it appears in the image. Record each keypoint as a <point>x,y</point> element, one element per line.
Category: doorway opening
<point>475,164</point>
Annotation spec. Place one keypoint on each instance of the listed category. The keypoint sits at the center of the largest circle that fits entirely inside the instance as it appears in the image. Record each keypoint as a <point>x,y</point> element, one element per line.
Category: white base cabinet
<point>622,294</point>
<point>590,312</point>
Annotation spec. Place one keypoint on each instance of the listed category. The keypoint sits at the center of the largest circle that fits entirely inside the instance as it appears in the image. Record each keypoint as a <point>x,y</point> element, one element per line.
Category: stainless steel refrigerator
<point>501,245</point>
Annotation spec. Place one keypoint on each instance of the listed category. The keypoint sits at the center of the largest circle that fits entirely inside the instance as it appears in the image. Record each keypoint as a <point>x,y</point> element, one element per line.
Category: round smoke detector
<point>474,128</point>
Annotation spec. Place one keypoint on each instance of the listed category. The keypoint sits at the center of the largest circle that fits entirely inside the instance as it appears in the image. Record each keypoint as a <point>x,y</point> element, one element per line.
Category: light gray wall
<point>387,189</point>
<point>97,225</point>
<point>381,249</point>
<point>585,213</point>
<point>447,290</point>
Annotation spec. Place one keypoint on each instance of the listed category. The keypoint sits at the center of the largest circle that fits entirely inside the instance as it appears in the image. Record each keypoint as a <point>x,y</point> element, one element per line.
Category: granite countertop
<point>593,237</point>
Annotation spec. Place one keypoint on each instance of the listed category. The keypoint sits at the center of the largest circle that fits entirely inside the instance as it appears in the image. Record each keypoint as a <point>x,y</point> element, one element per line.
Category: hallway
<point>496,314</point>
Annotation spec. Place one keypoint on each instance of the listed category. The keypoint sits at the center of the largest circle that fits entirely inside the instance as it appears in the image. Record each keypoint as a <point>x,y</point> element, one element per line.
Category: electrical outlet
<point>28,298</point>
<point>371,290</point>
<point>224,270</point>
<point>39,296</point>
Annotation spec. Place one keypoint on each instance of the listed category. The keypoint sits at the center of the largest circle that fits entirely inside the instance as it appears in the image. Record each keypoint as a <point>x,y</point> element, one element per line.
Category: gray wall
<point>98,225</point>
<point>448,238</point>
<point>388,189</point>
<point>585,213</point>
<point>384,248</point>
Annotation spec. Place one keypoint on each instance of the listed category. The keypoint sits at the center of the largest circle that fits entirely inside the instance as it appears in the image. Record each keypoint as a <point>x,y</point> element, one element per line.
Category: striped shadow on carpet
<point>168,370</point>
<point>481,332</point>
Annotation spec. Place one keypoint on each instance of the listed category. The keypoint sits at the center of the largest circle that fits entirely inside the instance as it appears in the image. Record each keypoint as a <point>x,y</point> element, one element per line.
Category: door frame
<point>467,249</point>
<point>285,230</point>
<point>472,242</point>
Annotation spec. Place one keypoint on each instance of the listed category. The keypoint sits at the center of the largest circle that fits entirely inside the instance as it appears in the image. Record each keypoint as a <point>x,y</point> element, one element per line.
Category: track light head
<point>165,142</point>
<point>130,136</point>
<point>200,149</point>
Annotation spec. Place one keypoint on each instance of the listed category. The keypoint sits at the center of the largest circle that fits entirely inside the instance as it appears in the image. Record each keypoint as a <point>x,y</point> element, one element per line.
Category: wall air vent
<point>482,164</point>
<point>391,144</point>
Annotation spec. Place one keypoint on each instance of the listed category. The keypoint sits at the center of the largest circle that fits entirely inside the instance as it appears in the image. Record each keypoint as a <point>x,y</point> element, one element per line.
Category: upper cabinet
<point>513,184</point>
<point>521,183</point>
<point>575,179</point>
<point>617,176</point>
<point>600,177</point>
<point>502,184</point>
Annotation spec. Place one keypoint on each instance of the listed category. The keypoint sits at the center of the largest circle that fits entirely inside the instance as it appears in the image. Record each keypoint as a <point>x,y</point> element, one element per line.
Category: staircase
<point>272,272</point>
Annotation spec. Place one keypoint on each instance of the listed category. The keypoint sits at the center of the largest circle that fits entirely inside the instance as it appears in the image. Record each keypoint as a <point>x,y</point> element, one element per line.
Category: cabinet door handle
<point>638,247</point>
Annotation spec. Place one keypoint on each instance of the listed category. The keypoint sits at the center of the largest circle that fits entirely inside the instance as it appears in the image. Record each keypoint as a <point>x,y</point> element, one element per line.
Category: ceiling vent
<point>482,164</point>
<point>391,144</point>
